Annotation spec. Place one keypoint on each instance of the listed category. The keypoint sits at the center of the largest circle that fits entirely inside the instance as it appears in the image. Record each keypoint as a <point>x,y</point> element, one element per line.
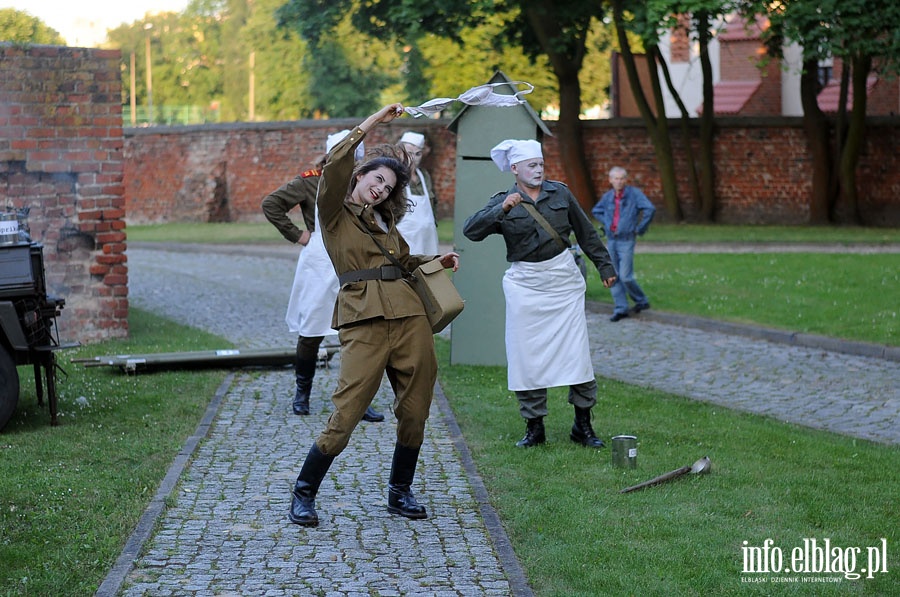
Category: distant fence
<point>170,115</point>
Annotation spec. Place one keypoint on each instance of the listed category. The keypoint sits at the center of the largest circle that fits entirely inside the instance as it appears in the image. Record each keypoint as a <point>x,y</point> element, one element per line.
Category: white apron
<point>315,290</point>
<point>417,226</point>
<point>546,329</point>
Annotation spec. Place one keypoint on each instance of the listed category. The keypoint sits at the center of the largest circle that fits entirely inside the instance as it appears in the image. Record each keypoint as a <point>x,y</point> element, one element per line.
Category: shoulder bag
<point>435,289</point>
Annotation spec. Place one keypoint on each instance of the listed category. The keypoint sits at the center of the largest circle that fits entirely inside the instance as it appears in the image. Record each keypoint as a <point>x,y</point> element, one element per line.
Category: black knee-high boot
<point>400,496</point>
<point>303,501</point>
<point>305,369</point>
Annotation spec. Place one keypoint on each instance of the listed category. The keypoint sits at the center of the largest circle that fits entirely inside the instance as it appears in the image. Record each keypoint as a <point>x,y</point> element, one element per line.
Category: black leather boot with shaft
<point>582,432</point>
<point>534,433</point>
<point>400,497</point>
<point>305,369</point>
<point>303,501</point>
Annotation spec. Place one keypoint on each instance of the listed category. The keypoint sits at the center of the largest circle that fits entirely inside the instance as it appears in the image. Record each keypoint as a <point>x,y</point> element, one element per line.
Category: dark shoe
<point>534,434</point>
<point>305,370</point>
<point>400,497</point>
<point>404,503</point>
<point>618,316</point>
<point>303,511</point>
<point>639,308</point>
<point>582,432</point>
<point>372,416</point>
<point>303,497</point>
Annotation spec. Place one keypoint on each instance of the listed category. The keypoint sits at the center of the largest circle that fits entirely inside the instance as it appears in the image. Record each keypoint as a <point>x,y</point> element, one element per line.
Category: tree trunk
<point>566,63</point>
<point>665,157</point>
<point>657,126</point>
<point>707,124</point>
<point>685,125</point>
<point>855,136</point>
<point>571,144</point>
<point>840,139</point>
<point>816,128</point>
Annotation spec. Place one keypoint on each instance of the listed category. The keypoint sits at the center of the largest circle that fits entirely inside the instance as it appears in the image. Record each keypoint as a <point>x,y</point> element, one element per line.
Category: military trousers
<point>533,403</point>
<point>404,349</point>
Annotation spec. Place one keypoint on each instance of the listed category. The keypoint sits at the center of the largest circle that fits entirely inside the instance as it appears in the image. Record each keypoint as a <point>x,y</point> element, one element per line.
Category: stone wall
<point>61,158</point>
<point>222,172</point>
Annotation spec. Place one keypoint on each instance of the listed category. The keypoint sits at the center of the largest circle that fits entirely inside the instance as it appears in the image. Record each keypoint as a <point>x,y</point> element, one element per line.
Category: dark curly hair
<point>395,205</point>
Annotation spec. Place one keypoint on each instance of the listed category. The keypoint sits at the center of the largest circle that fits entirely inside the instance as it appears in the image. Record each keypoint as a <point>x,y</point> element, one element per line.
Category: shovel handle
<point>660,479</point>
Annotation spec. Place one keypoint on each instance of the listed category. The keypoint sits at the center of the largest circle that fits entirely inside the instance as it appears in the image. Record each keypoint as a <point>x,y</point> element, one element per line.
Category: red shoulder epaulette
<point>313,172</point>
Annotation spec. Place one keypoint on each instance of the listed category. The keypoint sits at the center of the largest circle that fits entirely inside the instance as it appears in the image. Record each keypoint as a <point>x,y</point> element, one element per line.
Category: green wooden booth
<point>477,335</point>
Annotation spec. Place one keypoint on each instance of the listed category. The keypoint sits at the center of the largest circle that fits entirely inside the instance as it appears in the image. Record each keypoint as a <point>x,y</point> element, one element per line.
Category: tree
<point>539,27</point>
<point>654,117</point>
<point>283,86</point>
<point>698,18</point>
<point>865,36</point>
<point>184,51</point>
<point>18,26</point>
<point>559,31</point>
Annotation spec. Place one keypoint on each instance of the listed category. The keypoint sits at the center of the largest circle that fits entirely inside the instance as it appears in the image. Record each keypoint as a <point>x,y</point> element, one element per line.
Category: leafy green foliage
<point>20,27</point>
<point>841,28</point>
<point>185,52</point>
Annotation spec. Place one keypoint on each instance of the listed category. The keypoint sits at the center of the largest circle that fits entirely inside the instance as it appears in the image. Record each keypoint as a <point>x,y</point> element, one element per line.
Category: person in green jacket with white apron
<point>546,328</point>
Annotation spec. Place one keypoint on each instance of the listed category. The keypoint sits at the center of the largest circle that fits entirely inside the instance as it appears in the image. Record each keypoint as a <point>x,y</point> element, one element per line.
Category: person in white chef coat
<point>546,329</point>
<point>419,225</point>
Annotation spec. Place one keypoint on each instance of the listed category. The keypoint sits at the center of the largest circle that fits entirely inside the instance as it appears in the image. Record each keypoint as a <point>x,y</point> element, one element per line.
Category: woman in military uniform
<point>315,286</point>
<point>381,321</point>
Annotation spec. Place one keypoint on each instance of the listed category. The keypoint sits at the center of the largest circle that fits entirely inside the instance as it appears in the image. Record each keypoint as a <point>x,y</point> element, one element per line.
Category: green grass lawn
<point>256,232</point>
<point>850,296</point>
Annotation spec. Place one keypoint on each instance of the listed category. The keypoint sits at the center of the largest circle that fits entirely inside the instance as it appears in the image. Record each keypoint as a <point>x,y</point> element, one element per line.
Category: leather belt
<point>385,272</point>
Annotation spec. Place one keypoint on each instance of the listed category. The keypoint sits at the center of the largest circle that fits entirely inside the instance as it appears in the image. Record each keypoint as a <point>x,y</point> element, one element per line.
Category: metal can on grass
<point>624,451</point>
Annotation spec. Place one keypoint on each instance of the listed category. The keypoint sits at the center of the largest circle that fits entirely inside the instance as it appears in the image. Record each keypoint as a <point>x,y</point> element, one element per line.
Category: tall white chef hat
<point>417,139</point>
<point>337,137</point>
<point>513,151</point>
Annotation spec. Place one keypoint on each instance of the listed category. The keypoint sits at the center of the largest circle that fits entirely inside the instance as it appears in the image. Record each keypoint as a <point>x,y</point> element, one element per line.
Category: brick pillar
<point>61,158</point>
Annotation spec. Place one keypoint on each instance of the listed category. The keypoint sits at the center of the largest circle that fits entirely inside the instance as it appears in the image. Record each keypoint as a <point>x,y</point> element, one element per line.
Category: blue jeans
<point>622,254</point>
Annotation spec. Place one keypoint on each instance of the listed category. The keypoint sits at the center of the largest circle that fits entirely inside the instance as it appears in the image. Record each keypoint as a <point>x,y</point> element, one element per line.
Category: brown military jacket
<point>300,191</point>
<point>351,248</point>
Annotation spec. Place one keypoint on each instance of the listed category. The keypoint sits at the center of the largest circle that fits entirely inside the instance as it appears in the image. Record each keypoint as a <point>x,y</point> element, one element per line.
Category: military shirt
<point>343,230</point>
<point>300,191</point>
<point>526,240</point>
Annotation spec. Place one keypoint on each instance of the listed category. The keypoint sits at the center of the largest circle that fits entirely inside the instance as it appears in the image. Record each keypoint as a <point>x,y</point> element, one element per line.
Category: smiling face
<point>374,186</point>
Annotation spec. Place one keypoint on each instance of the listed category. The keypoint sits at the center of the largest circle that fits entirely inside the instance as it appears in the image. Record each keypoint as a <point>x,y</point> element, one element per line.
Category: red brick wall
<point>762,177</point>
<point>222,172</point>
<point>61,156</point>
<point>679,42</point>
<point>739,59</point>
